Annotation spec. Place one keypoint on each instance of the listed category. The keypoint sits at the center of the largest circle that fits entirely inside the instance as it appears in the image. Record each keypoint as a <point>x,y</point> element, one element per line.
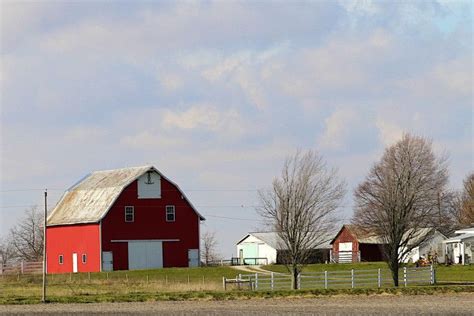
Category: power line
<point>234,218</point>
<point>176,205</point>
<point>171,190</point>
<point>23,190</point>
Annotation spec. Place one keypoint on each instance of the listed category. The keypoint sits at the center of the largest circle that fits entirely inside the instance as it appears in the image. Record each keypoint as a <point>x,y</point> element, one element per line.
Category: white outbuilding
<point>432,246</point>
<point>266,248</point>
<point>460,248</point>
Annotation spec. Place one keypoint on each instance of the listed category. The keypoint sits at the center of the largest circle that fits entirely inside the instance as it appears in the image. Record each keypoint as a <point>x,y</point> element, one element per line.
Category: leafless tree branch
<point>301,206</point>
<point>400,195</point>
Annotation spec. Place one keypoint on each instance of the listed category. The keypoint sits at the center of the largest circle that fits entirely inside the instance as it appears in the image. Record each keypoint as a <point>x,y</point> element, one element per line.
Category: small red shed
<point>354,244</point>
<point>123,219</point>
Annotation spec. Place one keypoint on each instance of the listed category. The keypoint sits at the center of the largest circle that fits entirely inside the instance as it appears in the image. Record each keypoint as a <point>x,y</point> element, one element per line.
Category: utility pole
<point>44,244</point>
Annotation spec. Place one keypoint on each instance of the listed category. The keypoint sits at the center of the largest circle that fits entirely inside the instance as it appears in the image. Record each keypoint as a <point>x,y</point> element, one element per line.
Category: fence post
<point>298,278</point>
<point>147,279</point>
<point>432,275</point>
<point>106,275</point>
<point>379,278</point>
<point>325,279</point>
<point>271,280</point>
<point>352,278</point>
<point>22,266</point>
<point>256,281</point>
<point>405,276</point>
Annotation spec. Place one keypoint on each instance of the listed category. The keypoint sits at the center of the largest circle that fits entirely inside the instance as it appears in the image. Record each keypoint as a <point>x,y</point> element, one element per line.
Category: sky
<point>215,94</point>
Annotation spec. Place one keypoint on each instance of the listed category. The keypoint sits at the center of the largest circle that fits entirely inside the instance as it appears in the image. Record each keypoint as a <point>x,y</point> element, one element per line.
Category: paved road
<point>446,304</point>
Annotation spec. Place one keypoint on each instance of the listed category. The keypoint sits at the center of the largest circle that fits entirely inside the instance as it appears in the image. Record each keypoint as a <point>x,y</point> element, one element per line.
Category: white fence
<point>374,278</point>
<point>21,267</point>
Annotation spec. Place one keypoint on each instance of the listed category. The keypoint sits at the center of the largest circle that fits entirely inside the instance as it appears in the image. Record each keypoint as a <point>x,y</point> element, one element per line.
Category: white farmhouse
<point>460,248</point>
<point>432,246</point>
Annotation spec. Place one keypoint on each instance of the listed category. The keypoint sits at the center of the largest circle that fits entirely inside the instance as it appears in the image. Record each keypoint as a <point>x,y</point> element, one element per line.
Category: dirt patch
<point>438,304</point>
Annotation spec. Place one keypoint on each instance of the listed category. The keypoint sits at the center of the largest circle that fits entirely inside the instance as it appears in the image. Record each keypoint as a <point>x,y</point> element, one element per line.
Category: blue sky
<point>215,94</point>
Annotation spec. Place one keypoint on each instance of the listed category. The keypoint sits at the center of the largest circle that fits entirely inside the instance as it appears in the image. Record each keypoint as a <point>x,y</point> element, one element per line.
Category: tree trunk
<point>295,278</point>
<point>394,266</point>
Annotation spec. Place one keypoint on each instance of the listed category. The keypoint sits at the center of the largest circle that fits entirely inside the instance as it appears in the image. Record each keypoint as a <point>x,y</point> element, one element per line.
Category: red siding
<point>345,236</point>
<point>66,240</point>
<point>368,252</point>
<point>150,223</point>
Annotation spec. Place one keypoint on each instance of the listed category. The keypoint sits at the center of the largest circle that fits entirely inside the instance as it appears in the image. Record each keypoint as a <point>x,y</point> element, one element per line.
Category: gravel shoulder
<point>438,304</point>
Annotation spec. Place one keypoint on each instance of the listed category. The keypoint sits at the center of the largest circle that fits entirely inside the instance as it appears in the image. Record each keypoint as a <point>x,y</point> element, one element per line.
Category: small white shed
<point>264,248</point>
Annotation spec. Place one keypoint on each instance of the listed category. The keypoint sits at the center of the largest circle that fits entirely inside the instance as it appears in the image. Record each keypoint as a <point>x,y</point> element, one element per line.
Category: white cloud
<point>249,70</point>
<point>85,134</point>
<point>446,79</point>
<point>204,117</point>
<point>146,140</point>
<point>340,125</point>
<point>389,132</point>
<point>170,82</point>
<point>363,7</point>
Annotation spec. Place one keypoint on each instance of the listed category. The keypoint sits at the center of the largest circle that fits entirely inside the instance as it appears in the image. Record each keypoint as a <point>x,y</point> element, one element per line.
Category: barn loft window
<point>61,259</point>
<point>170,213</point>
<point>84,258</point>
<point>129,214</point>
<point>148,178</point>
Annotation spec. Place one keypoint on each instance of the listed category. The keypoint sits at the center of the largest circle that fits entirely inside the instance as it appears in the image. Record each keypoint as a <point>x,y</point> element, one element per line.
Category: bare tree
<point>399,196</point>
<point>467,201</point>
<point>7,252</point>
<point>301,206</point>
<point>209,245</point>
<point>27,235</point>
<point>447,216</point>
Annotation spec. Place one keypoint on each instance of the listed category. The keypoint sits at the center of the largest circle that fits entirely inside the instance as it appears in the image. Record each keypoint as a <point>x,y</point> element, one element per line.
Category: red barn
<point>123,219</point>
<point>353,244</point>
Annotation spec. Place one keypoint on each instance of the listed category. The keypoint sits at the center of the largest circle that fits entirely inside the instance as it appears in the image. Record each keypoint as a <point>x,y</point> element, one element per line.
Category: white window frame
<point>61,259</point>
<point>133,213</point>
<point>170,211</point>
<point>84,258</point>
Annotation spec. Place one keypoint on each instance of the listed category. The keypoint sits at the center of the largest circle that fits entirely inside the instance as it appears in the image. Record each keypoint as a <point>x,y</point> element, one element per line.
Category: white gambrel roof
<point>90,199</point>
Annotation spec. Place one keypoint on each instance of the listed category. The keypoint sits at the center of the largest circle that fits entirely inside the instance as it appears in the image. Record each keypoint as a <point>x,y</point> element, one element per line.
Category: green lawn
<point>120,283</point>
<point>454,273</point>
<point>175,283</point>
<point>167,275</point>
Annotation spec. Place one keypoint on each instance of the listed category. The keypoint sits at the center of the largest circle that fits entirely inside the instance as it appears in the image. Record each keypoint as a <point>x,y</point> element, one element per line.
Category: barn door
<point>345,252</point>
<point>145,255</point>
<point>193,258</point>
<point>107,261</point>
<point>74,262</point>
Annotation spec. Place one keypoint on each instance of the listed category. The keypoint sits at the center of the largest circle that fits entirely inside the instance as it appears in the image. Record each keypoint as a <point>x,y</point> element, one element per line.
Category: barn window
<point>170,213</point>
<point>84,258</point>
<point>129,214</point>
<point>61,259</point>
